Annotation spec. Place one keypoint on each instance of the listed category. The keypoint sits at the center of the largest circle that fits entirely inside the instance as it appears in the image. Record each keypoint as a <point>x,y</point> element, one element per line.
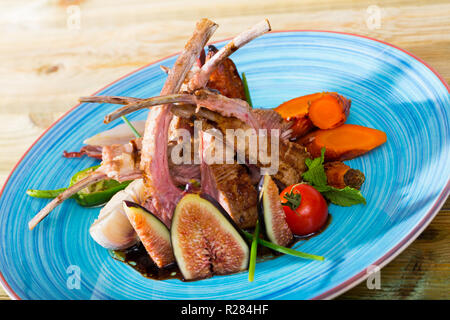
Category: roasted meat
<point>225,78</point>
<point>160,189</point>
<point>229,184</point>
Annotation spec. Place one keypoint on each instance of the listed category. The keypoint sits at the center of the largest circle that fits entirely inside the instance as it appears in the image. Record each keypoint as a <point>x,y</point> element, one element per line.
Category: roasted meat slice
<point>231,186</point>
<point>225,78</point>
<point>228,184</point>
<point>292,163</point>
<point>200,79</point>
<point>291,156</point>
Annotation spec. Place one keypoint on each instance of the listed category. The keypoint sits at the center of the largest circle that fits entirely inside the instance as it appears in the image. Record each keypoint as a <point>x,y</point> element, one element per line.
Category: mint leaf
<point>344,197</point>
<point>316,176</point>
<point>316,172</point>
<point>323,189</point>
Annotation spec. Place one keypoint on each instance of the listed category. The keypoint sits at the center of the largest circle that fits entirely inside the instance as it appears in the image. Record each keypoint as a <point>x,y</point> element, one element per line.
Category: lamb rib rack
<point>203,98</point>
<point>160,189</point>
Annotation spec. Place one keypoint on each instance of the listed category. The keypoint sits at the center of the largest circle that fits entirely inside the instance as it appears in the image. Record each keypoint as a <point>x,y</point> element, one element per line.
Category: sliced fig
<point>153,234</point>
<point>271,213</point>
<point>205,240</point>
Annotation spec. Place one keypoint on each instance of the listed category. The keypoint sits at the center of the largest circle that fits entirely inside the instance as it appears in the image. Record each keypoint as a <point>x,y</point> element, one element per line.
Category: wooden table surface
<point>54,51</point>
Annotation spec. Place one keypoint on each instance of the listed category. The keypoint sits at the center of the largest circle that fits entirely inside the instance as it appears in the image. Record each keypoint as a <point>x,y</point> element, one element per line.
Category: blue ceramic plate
<point>407,179</point>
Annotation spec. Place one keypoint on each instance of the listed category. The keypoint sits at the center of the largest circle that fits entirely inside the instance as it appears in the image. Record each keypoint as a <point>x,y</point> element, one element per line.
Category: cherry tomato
<point>305,208</point>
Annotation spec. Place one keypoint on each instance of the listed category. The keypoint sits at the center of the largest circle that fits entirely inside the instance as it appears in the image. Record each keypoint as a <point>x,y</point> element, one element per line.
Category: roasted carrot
<point>340,175</point>
<point>325,110</point>
<point>296,110</point>
<point>329,111</point>
<point>297,107</point>
<point>343,143</point>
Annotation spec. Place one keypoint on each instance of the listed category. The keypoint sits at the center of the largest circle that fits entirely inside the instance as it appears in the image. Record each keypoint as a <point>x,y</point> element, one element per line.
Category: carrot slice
<point>343,143</point>
<point>325,110</point>
<point>297,107</point>
<point>329,111</point>
<point>296,110</point>
<point>340,175</point>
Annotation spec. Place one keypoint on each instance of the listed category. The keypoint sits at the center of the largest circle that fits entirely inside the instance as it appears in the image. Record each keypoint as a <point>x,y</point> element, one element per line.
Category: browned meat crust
<point>229,184</point>
<point>292,155</point>
<point>292,163</point>
<point>225,78</point>
<point>234,191</point>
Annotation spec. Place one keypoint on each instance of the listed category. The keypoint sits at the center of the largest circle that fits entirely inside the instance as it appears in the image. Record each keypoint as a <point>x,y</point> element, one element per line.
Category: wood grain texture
<point>46,64</point>
<point>420,272</point>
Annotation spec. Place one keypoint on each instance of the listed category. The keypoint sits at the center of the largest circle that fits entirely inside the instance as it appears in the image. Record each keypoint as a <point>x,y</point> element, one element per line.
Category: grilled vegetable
<point>343,143</point>
<point>340,175</point>
<point>94,195</point>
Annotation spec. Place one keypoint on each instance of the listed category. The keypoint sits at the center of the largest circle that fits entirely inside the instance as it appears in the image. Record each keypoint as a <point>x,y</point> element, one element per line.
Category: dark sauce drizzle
<point>138,259</point>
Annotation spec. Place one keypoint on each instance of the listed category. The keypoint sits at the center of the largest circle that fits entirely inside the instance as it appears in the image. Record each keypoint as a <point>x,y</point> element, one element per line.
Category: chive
<point>253,252</point>
<point>284,250</point>
<point>246,90</point>
<point>131,126</point>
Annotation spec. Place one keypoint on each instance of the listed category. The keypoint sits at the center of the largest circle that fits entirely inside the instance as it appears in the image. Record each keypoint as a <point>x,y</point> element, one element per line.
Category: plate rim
<point>351,281</point>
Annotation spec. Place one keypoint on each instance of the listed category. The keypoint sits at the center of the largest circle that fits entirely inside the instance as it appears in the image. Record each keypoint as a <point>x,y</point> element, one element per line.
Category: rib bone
<point>201,78</point>
<point>158,183</point>
<point>227,107</point>
<point>92,178</point>
<point>109,99</point>
<point>182,110</point>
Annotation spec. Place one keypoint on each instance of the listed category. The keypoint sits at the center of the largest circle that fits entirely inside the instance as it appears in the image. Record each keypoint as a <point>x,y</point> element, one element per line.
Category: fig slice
<point>205,240</point>
<point>153,234</point>
<point>271,213</point>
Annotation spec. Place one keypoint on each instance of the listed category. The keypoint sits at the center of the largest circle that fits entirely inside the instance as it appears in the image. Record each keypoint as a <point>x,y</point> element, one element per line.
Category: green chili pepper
<point>45,194</point>
<point>94,195</point>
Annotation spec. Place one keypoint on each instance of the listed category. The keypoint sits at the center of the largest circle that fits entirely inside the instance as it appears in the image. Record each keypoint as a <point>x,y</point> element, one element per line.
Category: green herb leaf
<point>316,172</point>
<point>135,132</point>
<point>317,177</point>
<point>345,197</point>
